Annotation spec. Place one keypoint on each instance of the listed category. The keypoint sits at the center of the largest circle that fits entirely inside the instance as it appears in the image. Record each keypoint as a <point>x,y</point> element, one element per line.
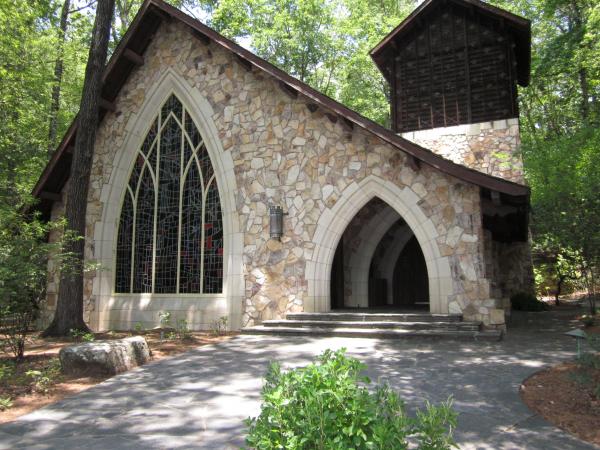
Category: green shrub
<point>527,302</point>
<point>183,331</point>
<point>81,336</point>
<point>5,403</point>
<point>327,405</point>
<point>43,379</point>
<point>218,327</point>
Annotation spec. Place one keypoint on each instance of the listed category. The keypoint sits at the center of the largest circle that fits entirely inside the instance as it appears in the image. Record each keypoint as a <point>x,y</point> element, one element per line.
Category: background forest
<point>44,47</point>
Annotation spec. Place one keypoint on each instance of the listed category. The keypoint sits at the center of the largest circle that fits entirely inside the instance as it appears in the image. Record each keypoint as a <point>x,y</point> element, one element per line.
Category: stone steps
<point>395,333</point>
<point>370,317</point>
<point>376,325</point>
<point>448,326</point>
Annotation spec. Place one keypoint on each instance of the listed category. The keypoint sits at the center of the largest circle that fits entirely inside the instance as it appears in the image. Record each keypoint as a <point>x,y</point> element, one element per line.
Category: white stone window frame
<point>112,309</point>
<point>155,175</point>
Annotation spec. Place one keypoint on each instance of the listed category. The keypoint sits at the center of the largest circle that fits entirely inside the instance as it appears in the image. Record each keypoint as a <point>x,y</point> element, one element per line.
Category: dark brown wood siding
<point>457,66</point>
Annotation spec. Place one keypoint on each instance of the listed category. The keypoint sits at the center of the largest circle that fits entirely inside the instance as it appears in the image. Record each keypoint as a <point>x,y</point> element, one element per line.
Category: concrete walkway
<point>199,399</point>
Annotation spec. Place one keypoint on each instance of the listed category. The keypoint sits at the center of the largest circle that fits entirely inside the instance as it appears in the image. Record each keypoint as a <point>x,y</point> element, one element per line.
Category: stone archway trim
<point>334,220</point>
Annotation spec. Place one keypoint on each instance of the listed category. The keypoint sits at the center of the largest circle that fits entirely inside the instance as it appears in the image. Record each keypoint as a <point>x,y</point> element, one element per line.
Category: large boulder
<point>104,357</point>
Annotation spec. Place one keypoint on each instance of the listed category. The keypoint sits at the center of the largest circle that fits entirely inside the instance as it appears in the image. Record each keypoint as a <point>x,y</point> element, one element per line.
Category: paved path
<point>199,399</point>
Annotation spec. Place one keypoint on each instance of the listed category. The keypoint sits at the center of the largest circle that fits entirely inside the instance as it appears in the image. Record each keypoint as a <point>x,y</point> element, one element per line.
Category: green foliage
<point>7,369</point>
<point>5,403</point>
<point>564,174</point>
<point>43,379</point>
<point>81,336</point>
<point>327,405</point>
<point>325,44</point>
<point>218,327</point>
<point>557,268</point>
<point>165,319</point>
<point>527,302</point>
<point>138,327</point>
<point>24,256</point>
<point>182,330</point>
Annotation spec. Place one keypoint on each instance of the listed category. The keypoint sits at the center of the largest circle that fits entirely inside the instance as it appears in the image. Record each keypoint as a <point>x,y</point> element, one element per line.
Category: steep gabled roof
<point>129,54</point>
<point>518,26</point>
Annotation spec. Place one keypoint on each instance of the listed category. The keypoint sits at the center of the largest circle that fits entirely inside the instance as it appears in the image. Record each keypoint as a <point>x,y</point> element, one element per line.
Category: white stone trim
<point>113,308</point>
<point>333,222</point>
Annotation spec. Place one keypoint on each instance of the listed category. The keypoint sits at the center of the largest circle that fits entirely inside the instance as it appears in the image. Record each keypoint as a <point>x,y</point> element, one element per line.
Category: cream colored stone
<point>497,317</point>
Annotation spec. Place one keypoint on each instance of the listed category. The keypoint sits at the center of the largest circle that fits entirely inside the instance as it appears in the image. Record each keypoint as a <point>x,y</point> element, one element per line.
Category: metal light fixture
<point>276,222</point>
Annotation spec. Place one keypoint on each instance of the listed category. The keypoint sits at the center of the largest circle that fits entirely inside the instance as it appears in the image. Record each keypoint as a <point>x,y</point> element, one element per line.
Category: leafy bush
<point>527,302</point>
<point>23,272</point>
<point>81,336</point>
<point>7,368</point>
<point>43,379</point>
<point>327,405</point>
<point>182,330</point>
<point>5,403</point>
<point>218,327</point>
<point>24,253</point>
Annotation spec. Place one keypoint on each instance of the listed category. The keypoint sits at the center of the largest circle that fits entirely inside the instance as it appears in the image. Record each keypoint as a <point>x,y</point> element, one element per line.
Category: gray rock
<point>104,357</point>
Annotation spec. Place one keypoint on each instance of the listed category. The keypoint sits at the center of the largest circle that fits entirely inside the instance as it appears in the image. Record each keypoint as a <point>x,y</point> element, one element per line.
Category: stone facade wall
<point>509,268</point>
<point>284,154</point>
<point>490,147</point>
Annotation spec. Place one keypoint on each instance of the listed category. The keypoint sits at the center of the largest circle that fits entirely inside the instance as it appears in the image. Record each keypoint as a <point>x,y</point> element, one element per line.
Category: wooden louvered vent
<point>455,66</point>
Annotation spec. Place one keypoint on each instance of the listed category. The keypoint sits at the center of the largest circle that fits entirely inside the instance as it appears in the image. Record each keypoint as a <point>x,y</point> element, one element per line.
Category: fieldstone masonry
<point>490,147</point>
<point>284,154</point>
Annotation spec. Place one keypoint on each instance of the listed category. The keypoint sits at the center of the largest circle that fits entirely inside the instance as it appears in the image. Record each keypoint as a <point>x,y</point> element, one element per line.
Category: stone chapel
<point>224,187</point>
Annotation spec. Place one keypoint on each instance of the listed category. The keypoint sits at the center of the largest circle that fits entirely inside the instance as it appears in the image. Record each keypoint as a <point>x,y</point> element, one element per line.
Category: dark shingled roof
<point>127,56</point>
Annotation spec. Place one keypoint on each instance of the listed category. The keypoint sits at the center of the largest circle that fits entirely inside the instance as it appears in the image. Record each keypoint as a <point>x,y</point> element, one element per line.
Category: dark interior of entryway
<point>395,271</point>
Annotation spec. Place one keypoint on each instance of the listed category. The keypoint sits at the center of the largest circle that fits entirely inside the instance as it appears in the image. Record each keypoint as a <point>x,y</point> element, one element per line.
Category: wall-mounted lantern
<point>276,222</point>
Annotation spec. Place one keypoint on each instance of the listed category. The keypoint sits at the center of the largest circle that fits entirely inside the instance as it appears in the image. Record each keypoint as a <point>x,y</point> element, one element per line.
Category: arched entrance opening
<point>378,263</point>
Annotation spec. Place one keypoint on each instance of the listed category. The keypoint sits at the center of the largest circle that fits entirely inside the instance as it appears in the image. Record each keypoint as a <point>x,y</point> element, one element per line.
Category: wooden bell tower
<point>454,62</point>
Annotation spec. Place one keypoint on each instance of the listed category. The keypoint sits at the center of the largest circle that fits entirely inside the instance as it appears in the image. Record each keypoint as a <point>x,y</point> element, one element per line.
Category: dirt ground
<point>30,391</point>
<point>564,396</point>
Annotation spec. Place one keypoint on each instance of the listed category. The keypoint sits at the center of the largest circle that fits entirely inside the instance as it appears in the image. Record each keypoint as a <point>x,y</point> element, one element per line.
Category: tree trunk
<point>585,94</point>
<point>58,75</point>
<point>561,280</point>
<point>69,308</point>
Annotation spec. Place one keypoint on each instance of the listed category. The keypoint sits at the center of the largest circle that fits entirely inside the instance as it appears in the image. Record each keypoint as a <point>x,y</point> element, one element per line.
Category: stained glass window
<point>171,229</point>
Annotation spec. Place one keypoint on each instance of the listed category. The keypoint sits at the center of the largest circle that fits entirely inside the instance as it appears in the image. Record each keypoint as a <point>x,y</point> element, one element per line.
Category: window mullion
<point>134,203</point>
<point>204,195</point>
<point>156,193</point>
<point>181,186</point>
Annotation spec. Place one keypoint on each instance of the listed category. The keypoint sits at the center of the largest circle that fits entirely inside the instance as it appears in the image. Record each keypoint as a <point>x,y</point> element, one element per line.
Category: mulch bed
<point>42,355</point>
<point>560,396</point>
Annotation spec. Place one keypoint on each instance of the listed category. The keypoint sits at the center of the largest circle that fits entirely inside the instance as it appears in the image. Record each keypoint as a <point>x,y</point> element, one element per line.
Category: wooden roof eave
<point>424,155</point>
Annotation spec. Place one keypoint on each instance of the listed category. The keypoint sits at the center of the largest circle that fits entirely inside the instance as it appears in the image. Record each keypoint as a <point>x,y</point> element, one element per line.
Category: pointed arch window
<point>170,237</point>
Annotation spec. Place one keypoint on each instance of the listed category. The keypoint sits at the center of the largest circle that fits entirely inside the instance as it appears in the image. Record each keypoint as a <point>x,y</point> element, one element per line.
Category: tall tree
<point>69,307</point>
<point>58,76</point>
<point>324,44</point>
